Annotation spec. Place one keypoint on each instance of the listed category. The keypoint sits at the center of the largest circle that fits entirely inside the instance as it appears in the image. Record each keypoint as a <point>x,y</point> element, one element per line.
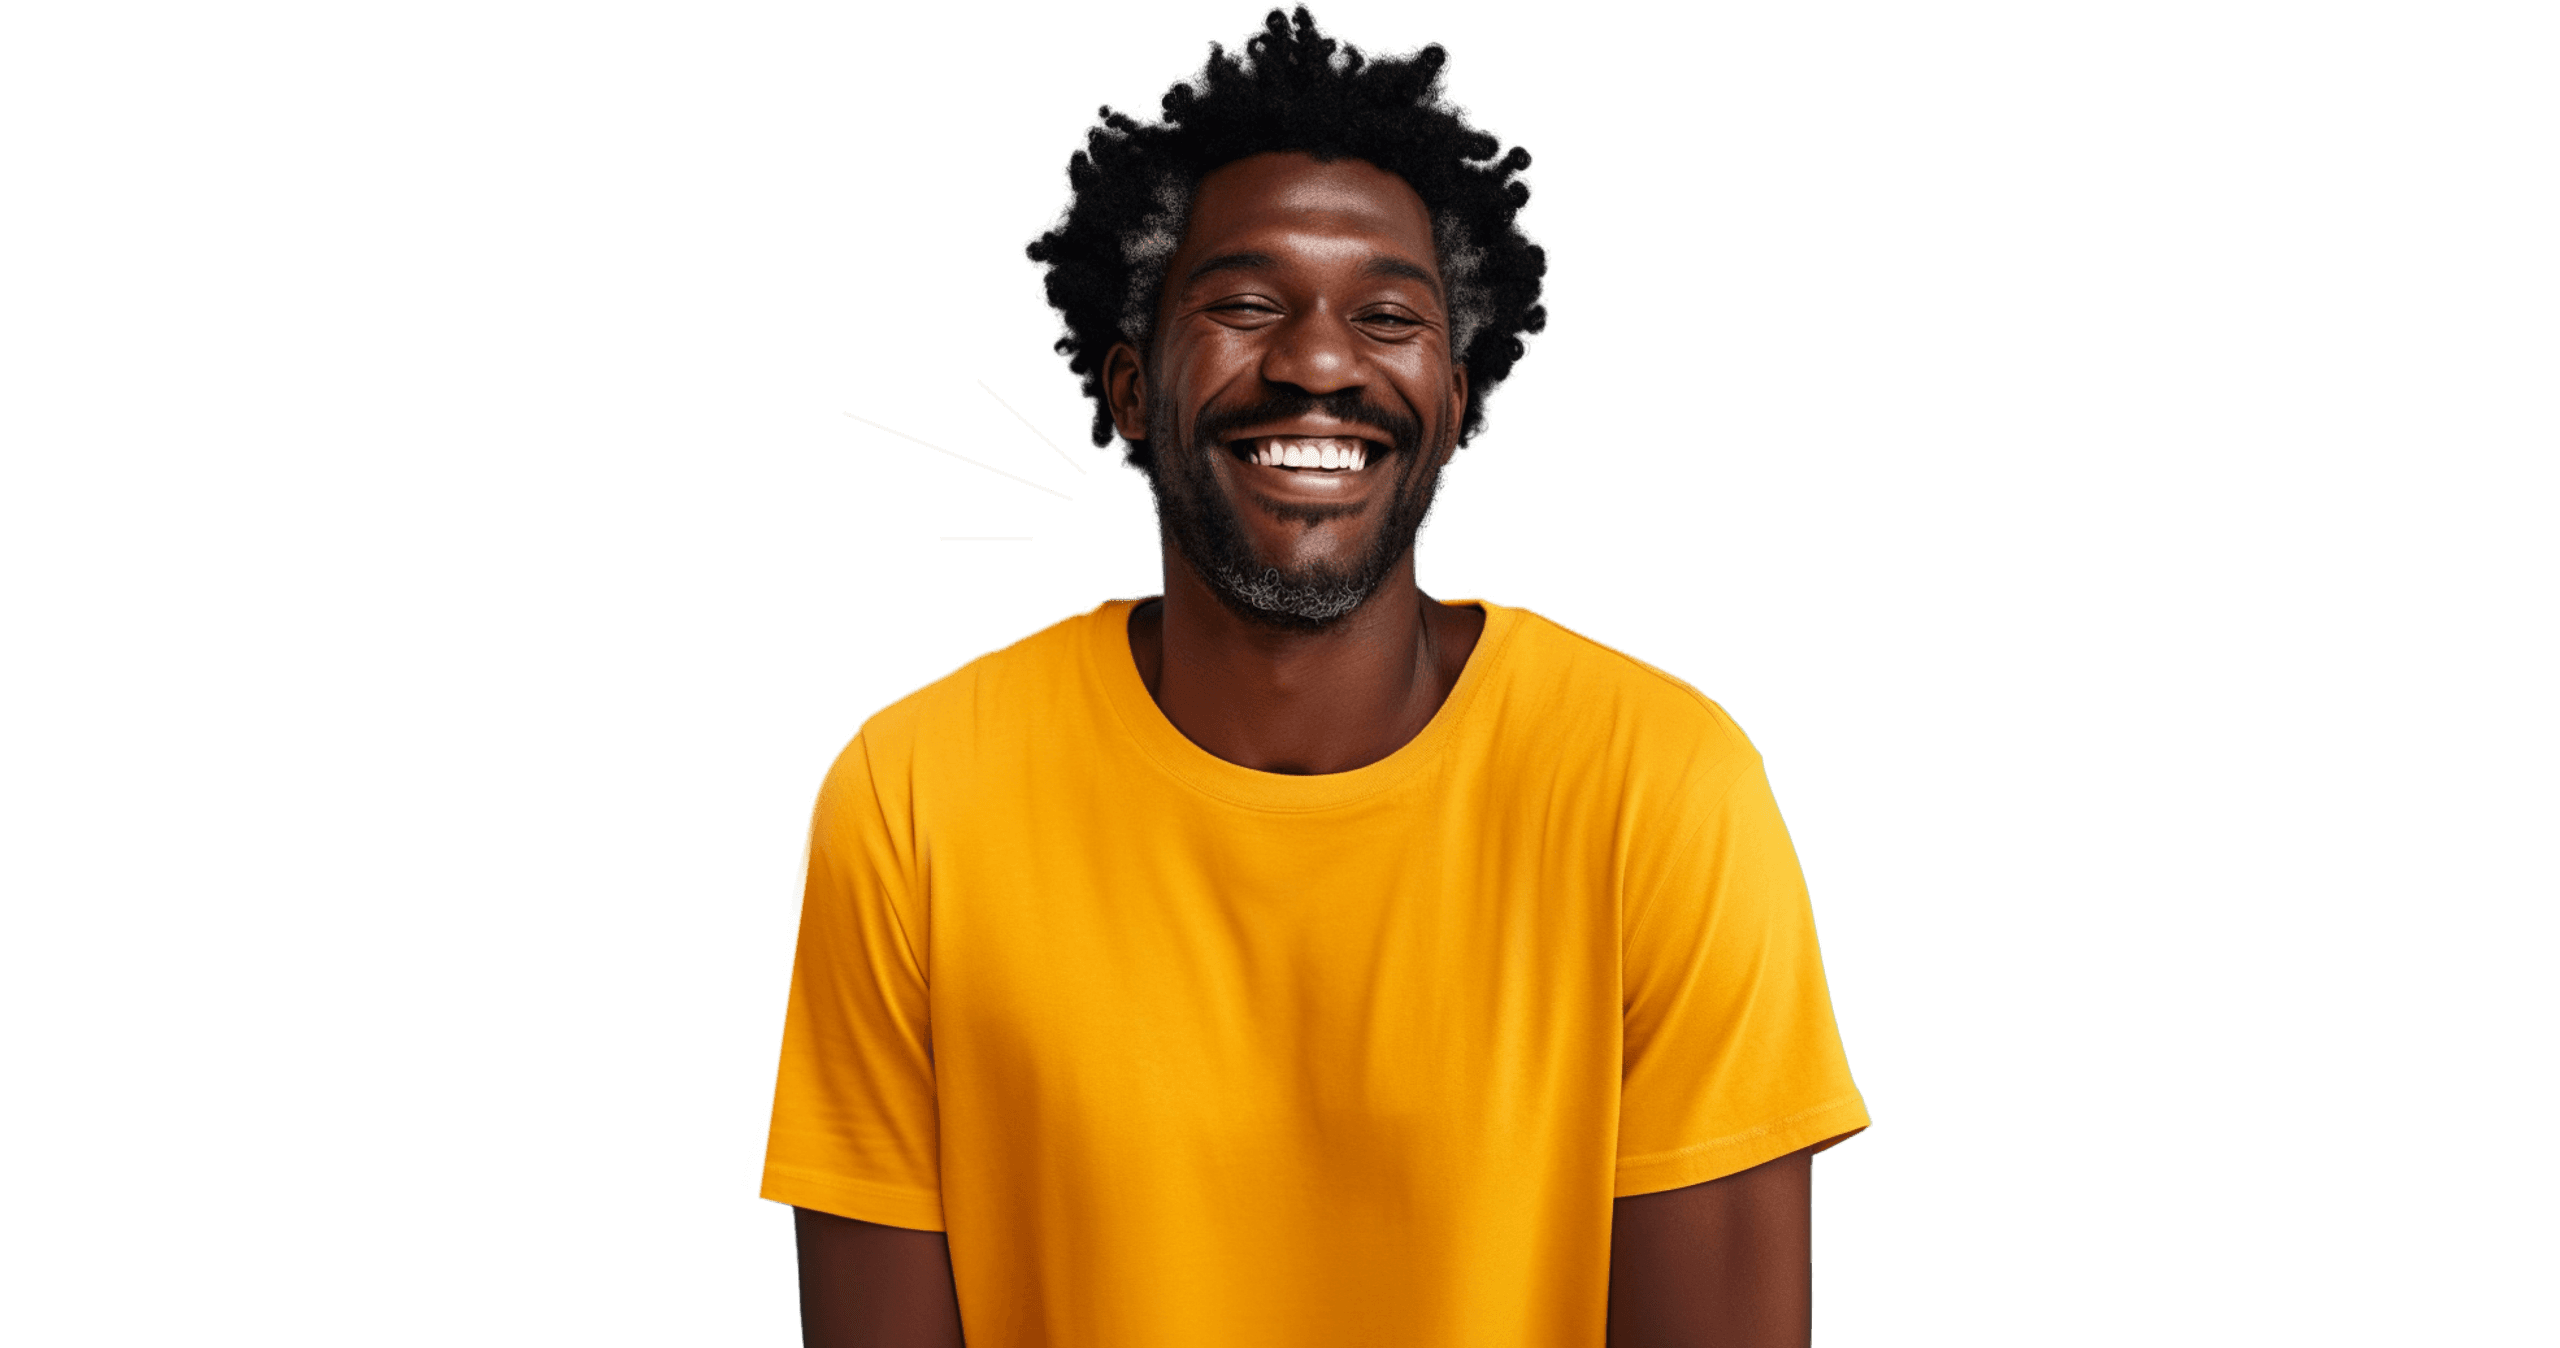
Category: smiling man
<point>1293,958</point>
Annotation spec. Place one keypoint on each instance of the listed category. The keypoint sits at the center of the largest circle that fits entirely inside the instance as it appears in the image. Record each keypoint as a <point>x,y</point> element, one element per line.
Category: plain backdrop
<point>2102,454</point>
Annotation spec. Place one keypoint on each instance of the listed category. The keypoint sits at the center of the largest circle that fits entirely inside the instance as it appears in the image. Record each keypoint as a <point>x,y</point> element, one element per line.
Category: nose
<point>1314,350</point>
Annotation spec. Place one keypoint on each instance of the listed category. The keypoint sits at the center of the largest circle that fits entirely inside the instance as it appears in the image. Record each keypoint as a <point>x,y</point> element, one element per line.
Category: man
<point>1294,959</point>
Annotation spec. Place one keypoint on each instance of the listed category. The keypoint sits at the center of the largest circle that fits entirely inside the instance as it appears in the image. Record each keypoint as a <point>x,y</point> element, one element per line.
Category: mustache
<point>1403,431</point>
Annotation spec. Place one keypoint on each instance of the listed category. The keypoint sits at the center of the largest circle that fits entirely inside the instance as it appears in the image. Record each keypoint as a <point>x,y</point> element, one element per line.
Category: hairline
<point>1161,233</point>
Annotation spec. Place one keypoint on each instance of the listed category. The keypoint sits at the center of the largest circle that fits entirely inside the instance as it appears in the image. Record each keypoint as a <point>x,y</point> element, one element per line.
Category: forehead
<point>1294,195</point>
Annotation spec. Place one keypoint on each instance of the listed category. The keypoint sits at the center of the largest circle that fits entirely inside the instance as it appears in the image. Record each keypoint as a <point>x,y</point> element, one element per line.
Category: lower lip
<point>1314,484</point>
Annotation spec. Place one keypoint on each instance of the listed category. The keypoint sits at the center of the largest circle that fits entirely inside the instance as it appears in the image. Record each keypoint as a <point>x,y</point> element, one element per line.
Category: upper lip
<point>1313,430</point>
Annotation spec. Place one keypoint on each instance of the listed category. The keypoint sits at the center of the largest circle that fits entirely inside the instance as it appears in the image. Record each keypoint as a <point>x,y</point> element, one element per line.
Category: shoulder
<point>995,700</point>
<point>1554,665</point>
<point>1581,698</point>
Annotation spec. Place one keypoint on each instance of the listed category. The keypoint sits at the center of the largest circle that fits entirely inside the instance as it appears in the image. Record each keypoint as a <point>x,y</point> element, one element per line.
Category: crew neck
<point>1115,668</point>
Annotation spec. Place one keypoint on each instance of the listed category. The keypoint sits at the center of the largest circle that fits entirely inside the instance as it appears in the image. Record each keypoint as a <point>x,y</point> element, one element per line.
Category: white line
<point>961,457</point>
<point>1035,431</point>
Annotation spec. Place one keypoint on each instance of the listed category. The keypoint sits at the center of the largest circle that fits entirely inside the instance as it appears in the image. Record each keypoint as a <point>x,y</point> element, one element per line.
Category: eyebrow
<point>1382,265</point>
<point>1379,264</point>
<point>1229,262</point>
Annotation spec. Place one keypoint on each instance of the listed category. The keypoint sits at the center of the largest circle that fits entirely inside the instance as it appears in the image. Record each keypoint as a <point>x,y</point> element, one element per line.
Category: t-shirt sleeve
<point>854,1125</point>
<point>1732,1057</point>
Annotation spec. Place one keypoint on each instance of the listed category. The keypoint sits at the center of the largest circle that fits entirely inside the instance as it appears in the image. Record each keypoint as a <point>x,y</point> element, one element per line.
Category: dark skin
<point>1727,1262</point>
<point>1320,277</point>
<point>863,1285</point>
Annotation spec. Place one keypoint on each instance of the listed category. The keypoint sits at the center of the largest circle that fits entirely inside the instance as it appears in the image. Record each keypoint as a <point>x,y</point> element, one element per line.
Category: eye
<point>1391,321</point>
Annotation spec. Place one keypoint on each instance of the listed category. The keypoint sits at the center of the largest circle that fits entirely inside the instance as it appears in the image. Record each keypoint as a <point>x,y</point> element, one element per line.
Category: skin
<point>1321,311</point>
<point>863,1285</point>
<point>1727,1262</point>
<point>1320,277</point>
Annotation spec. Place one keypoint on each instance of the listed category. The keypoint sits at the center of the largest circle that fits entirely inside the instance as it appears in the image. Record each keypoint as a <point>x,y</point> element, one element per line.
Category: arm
<point>1724,1264</point>
<point>863,1285</point>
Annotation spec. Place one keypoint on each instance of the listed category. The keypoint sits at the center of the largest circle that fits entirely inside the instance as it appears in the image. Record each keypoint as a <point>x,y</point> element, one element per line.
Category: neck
<point>1278,700</point>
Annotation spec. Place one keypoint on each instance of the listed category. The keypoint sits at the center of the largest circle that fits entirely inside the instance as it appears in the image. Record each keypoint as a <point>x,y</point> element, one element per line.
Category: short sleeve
<point>854,1125</point>
<point>1732,1057</point>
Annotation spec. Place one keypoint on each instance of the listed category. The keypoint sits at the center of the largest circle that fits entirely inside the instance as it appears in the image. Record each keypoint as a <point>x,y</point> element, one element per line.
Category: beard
<point>1204,528</point>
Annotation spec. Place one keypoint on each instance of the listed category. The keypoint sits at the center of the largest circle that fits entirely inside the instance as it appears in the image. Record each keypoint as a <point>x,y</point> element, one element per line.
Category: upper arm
<point>1732,1057</point>
<point>1726,1262</point>
<point>864,1285</point>
<point>855,1124</point>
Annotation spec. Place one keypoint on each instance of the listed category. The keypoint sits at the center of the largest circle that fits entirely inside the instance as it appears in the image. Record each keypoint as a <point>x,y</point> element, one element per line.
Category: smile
<point>1335,455</point>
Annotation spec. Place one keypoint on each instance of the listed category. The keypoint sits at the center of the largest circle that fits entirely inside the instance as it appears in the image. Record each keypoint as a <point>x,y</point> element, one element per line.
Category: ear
<point>1124,387</point>
<point>1457,411</point>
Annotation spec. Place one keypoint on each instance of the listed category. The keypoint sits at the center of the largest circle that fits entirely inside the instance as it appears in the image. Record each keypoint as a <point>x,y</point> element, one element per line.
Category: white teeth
<point>1348,455</point>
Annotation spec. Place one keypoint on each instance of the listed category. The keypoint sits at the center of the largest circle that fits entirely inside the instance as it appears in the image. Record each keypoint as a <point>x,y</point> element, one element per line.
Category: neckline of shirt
<point>1116,669</point>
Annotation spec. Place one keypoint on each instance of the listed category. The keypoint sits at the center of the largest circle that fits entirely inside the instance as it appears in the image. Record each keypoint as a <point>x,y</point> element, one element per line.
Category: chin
<point>1293,603</point>
<point>1230,535</point>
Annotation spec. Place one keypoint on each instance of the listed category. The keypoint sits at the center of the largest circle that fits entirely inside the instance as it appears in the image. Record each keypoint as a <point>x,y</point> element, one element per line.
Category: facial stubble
<point>1206,530</point>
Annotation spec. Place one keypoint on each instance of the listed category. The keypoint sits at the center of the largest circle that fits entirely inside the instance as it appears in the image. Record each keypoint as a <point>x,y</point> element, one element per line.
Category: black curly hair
<point>1133,184</point>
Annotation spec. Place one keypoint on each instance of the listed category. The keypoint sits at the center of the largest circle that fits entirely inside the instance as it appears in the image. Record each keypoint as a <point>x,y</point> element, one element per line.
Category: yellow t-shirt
<point>1180,1053</point>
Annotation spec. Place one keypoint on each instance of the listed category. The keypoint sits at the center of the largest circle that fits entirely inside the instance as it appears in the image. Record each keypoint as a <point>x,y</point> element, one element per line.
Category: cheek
<point>1427,391</point>
<point>1194,377</point>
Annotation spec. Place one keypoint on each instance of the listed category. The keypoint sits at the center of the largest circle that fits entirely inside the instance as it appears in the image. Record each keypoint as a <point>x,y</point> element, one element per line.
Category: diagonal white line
<point>961,457</point>
<point>1026,422</point>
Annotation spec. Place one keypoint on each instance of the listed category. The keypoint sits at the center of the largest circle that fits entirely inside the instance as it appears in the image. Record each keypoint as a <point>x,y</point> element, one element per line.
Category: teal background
<point>2103,454</point>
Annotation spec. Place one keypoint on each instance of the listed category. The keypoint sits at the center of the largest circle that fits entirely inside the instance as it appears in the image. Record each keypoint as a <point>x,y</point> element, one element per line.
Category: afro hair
<point>1293,89</point>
